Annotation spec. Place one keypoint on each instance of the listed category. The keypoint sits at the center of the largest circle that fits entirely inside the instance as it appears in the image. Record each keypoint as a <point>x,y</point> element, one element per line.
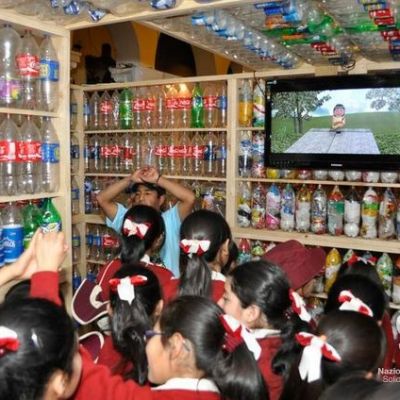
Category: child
<point>205,241</point>
<point>124,351</point>
<point>338,118</point>
<point>257,294</point>
<point>149,189</point>
<point>345,343</point>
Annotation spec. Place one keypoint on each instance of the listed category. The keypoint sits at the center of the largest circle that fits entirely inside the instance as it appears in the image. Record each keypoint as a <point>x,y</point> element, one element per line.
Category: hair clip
<point>193,246</point>
<point>298,306</point>
<point>236,334</point>
<point>315,347</point>
<point>132,228</point>
<point>8,340</point>
<point>126,286</point>
<point>355,258</point>
<point>353,303</point>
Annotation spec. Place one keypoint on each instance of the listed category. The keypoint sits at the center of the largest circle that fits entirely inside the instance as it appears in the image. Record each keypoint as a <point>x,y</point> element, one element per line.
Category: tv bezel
<point>327,161</point>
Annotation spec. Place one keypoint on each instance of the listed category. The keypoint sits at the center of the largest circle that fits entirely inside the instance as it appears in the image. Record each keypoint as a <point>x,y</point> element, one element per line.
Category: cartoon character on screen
<point>338,118</point>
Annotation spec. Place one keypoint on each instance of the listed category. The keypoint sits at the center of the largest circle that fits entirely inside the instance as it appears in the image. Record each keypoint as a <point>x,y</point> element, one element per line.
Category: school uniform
<point>390,343</point>
<point>270,342</point>
<point>217,287</point>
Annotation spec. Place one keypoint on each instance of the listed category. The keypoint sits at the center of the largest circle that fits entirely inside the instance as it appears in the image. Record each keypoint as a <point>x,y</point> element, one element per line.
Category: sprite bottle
<point>51,218</point>
<point>32,219</point>
<point>125,109</point>
<point>197,107</point>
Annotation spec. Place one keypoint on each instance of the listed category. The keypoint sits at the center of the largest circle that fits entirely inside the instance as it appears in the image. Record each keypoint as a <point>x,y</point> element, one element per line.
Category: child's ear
<point>57,384</point>
<point>251,315</point>
<point>176,345</point>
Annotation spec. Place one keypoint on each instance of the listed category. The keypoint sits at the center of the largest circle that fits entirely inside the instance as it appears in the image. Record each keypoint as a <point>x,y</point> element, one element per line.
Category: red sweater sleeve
<point>98,383</point>
<point>45,285</point>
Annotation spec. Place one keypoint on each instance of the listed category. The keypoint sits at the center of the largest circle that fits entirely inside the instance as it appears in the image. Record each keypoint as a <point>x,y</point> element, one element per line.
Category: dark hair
<point>195,272</point>
<point>47,344</point>
<point>388,391</point>
<point>133,248</point>
<point>233,256</point>
<point>360,268</point>
<point>160,191</point>
<point>198,319</point>
<point>360,343</point>
<point>265,284</point>
<point>129,322</point>
<point>363,288</point>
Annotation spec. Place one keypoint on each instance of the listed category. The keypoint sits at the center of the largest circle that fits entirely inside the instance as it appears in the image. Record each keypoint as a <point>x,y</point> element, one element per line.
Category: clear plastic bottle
<point>106,153</point>
<point>174,154</point>
<point>244,205</point>
<point>73,110</point>
<point>222,106</point>
<point>88,187</point>
<point>29,165</point>
<point>210,101</point>
<point>76,245</point>
<point>160,113</point>
<point>10,84</point>
<point>245,154</point>
<point>147,148</point>
<point>161,152</point>
<point>246,103</point>
<point>259,103</point>
<point>318,211</point>
<point>96,187</point>
<point>94,159</point>
<point>186,149</point>
<point>138,107</point>
<point>74,154</point>
<point>94,105</point>
<point>115,110</point>
<point>258,200</point>
<point>49,75</point>
<point>88,240</point>
<point>149,108</point>
<point>303,209</point>
<point>257,151</point>
<point>287,208</point>
<point>352,213</point>
<point>106,109</point>
<point>8,157</point>
<point>369,214</point>
<point>75,194</point>
<point>86,153</point>
<point>335,212</point>
<point>137,149</point>
<point>12,233</point>
<point>273,207</point>
<point>172,105</point>
<point>50,157</point>
<point>184,105</point>
<point>198,150</point>
<point>387,215</point>
<point>127,152</point>
<point>96,253</point>
<point>86,111</point>
<point>210,142</point>
<point>221,155</point>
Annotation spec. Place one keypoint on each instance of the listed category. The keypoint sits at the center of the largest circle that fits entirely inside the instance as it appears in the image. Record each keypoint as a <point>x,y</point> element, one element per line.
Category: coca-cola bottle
<point>94,105</point>
<point>49,75</point>
<point>197,158</point>
<point>8,157</point>
<point>172,104</point>
<point>161,152</point>
<point>29,158</point>
<point>116,153</point>
<point>127,153</point>
<point>147,149</point>
<point>185,105</point>
<point>96,188</point>
<point>10,84</point>
<point>115,110</point>
<point>174,153</point>
<point>50,157</point>
<point>186,150</point>
<point>137,150</point>
<point>149,108</point>
<point>160,112</point>
<point>29,69</point>
<point>222,105</point>
<point>210,142</point>
<point>105,111</point>
<point>210,106</point>
<point>86,111</point>
<point>105,153</point>
<point>138,107</point>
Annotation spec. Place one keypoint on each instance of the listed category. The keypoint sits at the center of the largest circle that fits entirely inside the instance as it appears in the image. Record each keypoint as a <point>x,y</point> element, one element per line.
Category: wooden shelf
<point>316,182</point>
<point>21,197</point>
<point>99,262</point>
<point>23,111</point>
<point>251,128</point>
<point>167,130</point>
<point>344,242</point>
<point>192,178</point>
<point>89,219</point>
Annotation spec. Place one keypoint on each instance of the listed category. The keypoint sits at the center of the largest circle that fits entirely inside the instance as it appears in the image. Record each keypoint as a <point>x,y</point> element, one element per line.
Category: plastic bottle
<point>96,187</point>
<point>51,218</point>
<point>73,111</point>
<point>387,215</point>
<point>352,213</point>
<point>273,207</point>
<point>109,243</point>
<point>76,245</point>
<point>29,165</point>
<point>94,105</point>
<point>1,242</point>
<point>318,211</point>
<point>244,247</point>
<point>94,158</point>
<point>29,70</point>
<point>332,265</point>
<point>184,105</point>
<point>138,107</point>
<point>160,113</point>
<point>287,208</point>
<point>76,279</point>
<point>210,103</point>
<point>115,110</point>
<point>74,197</point>
<point>259,103</point>
<point>106,110</point>
<point>74,154</point>
<point>49,75</point>
<point>257,147</point>
<point>147,147</point>
<point>258,200</point>
<point>245,154</point>
<point>96,253</point>
<point>125,109</point>
<point>197,113</point>
<point>210,142</point>
<point>105,153</point>
<point>137,150</point>
<point>161,152</point>
<point>303,209</point>
<point>171,107</point>
<point>222,106</point>
<point>198,150</point>
<point>384,267</point>
<point>244,205</point>
<point>116,153</point>
<point>149,108</point>
<point>88,195</point>
<point>221,155</point>
<point>369,214</point>
<point>86,153</point>
<point>127,152</point>
<point>10,84</point>
<point>32,217</point>
<point>88,240</point>
<point>174,154</point>
<point>335,212</point>
<point>246,103</point>
<point>86,111</point>
<point>50,157</point>
<point>398,221</point>
<point>186,151</point>
<point>12,233</point>
<point>8,157</point>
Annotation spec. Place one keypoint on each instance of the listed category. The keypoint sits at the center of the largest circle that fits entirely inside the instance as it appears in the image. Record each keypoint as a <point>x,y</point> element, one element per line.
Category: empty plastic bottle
<point>8,157</point>
<point>32,218</point>
<point>160,113</point>
<point>172,107</point>
<point>197,114</point>
<point>184,105</point>
<point>75,194</point>
<point>210,101</point>
<point>115,110</point>
<point>74,154</point>
<point>105,117</point>
<point>12,232</point>
<point>125,109</point>
<point>76,245</point>
<point>94,105</point>
<point>222,106</point>
<point>198,150</point>
<point>149,108</point>
<point>86,111</point>
<point>50,157</point>
<point>138,107</point>
<point>210,152</point>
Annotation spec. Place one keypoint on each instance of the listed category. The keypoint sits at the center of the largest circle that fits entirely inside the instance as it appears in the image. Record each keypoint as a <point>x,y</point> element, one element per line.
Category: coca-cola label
<point>51,153</point>
<point>115,150</point>
<point>177,151</point>
<point>49,70</point>
<point>28,65</point>
<point>172,103</point>
<point>210,102</point>
<point>29,151</point>
<point>150,104</point>
<point>185,103</point>
<point>161,150</point>
<point>106,107</point>
<point>128,153</point>
<point>105,151</point>
<point>138,105</point>
<point>198,152</point>
<point>7,151</point>
<point>109,241</point>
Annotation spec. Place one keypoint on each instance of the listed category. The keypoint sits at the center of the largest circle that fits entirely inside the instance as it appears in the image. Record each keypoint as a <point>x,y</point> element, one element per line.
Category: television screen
<point>330,122</point>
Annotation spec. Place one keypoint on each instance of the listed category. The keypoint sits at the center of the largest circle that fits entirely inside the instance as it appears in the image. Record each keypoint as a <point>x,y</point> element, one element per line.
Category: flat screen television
<point>350,122</point>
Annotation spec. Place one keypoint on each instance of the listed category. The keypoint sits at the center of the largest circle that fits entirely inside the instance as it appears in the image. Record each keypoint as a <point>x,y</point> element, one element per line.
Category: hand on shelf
<point>50,251</point>
<point>136,177</point>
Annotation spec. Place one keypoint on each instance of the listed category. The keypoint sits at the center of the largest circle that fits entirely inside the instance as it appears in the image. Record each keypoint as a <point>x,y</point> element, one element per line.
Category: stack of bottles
<point>175,153</point>
<point>156,107</point>
<point>29,74</point>
<point>18,223</point>
<point>252,103</point>
<point>387,266</point>
<point>29,157</point>
<point>306,208</point>
<point>102,244</point>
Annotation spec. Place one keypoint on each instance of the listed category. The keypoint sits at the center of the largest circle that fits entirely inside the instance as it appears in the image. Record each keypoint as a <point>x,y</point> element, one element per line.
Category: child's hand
<point>150,174</point>
<point>50,251</point>
<point>136,177</point>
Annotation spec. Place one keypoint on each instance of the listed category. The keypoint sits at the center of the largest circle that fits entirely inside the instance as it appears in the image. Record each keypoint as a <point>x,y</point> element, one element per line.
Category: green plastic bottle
<point>32,219</point>
<point>197,107</point>
<point>51,218</point>
<point>125,109</point>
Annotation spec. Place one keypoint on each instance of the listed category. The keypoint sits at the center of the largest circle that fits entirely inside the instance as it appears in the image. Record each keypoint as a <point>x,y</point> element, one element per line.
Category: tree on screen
<point>297,106</point>
<point>387,97</point>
